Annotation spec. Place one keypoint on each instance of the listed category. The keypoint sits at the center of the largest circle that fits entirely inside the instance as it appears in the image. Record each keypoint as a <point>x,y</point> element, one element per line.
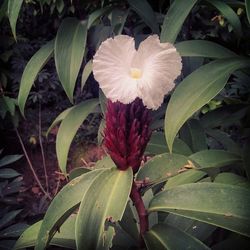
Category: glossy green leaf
<point>7,173</point>
<point>64,238</point>
<point>102,205</point>
<point>229,14</point>
<point>193,134</point>
<point>202,48</point>
<point>247,3</point>
<point>14,7</point>
<point>69,51</point>
<point>33,67</point>
<point>58,119</point>
<point>8,159</point>
<point>184,103</point>
<point>86,73</point>
<point>167,237</point>
<point>186,177</point>
<point>144,10</point>
<point>63,205</point>
<point>197,229</point>
<point>226,206</point>
<point>174,19</point>
<point>162,167</point>
<point>157,145</point>
<point>97,14</point>
<point>214,158</point>
<point>69,127</point>
<point>232,179</point>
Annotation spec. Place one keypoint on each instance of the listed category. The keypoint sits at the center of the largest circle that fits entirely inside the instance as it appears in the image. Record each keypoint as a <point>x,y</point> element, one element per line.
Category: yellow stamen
<point>135,73</point>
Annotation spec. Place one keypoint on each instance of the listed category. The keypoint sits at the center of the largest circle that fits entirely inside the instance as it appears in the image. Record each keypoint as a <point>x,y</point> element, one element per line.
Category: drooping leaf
<point>184,103</point>
<point>86,73</point>
<point>97,14</point>
<point>167,237</point>
<point>226,206</point>
<point>8,159</point>
<point>63,205</point>
<point>69,127</point>
<point>144,10</point>
<point>7,173</point>
<point>14,7</point>
<point>193,134</point>
<point>174,19</point>
<point>202,48</point>
<point>58,119</point>
<point>162,167</point>
<point>225,140</point>
<point>33,67</point>
<point>69,51</point>
<point>229,14</point>
<point>102,205</point>
<point>186,177</point>
<point>211,158</point>
<point>158,145</point>
<point>64,238</point>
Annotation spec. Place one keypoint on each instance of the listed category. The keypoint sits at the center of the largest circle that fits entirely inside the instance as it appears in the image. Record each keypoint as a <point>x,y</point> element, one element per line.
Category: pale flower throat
<point>135,73</point>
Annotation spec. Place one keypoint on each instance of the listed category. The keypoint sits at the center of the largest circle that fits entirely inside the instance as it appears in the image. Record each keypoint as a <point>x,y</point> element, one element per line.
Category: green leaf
<point>247,3</point>
<point>69,127</point>
<point>69,51</point>
<point>167,237</point>
<point>14,7</point>
<point>65,238</point>
<point>229,14</point>
<point>193,134</point>
<point>97,14</point>
<point>76,172</point>
<point>226,206</point>
<point>8,159</point>
<point>33,67</point>
<point>225,140</point>
<point>13,231</point>
<point>3,9</point>
<point>162,167</point>
<point>102,205</point>
<point>189,176</point>
<point>10,104</point>
<point>144,10</point>
<point>207,159</point>
<point>7,173</point>
<point>63,205</point>
<point>103,101</point>
<point>202,48</point>
<point>8,217</point>
<point>58,119</point>
<point>86,73</point>
<point>157,145</point>
<point>174,19</point>
<point>184,103</point>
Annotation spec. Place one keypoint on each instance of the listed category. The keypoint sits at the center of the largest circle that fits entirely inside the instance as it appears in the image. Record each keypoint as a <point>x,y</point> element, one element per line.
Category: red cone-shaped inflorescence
<point>127,133</point>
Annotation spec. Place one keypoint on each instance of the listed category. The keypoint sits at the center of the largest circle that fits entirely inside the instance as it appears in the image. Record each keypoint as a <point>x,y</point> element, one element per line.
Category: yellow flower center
<point>135,73</point>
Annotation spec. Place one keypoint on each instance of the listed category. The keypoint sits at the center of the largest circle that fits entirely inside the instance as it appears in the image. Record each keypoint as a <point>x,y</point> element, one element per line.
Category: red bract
<point>127,133</point>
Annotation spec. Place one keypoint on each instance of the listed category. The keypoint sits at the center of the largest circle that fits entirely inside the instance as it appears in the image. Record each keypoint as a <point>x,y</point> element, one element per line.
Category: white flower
<point>125,73</point>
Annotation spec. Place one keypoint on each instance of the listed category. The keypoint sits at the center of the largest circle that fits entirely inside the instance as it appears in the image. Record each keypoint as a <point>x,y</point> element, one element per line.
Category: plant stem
<point>141,210</point>
<point>41,146</point>
<point>31,166</point>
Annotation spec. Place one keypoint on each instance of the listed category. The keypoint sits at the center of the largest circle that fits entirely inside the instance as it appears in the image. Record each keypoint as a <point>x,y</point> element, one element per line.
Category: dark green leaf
<point>86,72</point>
<point>174,19</point>
<point>247,3</point>
<point>69,51</point>
<point>8,159</point>
<point>13,231</point>
<point>7,173</point>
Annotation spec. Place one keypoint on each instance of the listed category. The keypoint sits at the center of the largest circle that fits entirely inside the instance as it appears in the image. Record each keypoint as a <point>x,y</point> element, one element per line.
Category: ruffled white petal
<point>111,68</point>
<point>124,73</point>
<point>161,65</point>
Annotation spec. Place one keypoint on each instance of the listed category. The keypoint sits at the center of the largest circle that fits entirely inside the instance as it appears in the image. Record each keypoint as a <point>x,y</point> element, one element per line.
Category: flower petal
<point>160,64</point>
<point>111,68</point>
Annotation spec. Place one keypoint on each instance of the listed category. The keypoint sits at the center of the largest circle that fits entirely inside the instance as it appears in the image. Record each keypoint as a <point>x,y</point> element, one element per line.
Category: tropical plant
<point>10,184</point>
<point>196,185</point>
